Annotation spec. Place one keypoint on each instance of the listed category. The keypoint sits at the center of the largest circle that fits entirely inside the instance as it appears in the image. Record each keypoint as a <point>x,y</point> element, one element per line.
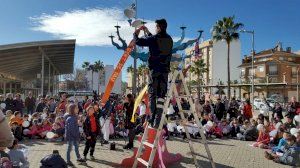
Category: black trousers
<point>158,85</point>
<point>90,145</point>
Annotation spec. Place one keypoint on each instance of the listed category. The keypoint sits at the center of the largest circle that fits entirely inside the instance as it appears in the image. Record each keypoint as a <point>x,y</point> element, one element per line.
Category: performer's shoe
<point>85,158</point>
<point>92,157</point>
<point>105,142</point>
<point>81,160</point>
<point>70,164</point>
<point>128,146</point>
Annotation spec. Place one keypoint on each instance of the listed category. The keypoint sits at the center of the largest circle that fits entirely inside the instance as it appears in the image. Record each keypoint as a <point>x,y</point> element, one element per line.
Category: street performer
<point>160,49</point>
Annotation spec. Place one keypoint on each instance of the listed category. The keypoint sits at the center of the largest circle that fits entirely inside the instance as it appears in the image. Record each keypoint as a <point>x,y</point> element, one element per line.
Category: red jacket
<point>248,111</point>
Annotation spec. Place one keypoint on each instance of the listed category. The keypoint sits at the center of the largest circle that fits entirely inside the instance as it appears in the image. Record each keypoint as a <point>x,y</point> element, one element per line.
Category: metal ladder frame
<point>187,95</point>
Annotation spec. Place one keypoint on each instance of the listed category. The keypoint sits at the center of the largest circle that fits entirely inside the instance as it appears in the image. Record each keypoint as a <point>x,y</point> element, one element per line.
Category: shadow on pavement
<point>202,163</point>
<point>111,164</point>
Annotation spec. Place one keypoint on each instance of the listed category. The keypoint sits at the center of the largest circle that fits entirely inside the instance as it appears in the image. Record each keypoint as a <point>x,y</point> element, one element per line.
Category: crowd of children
<point>278,135</point>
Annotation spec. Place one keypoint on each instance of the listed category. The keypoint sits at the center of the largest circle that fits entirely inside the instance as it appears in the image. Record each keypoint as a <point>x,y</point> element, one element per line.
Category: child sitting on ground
<point>282,142</point>
<point>45,128</point>
<point>263,139</point>
<point>224,126</point>
<point>16,118</point>
<point>16,129</point>
<point>291,152</point>
<point>58,132</point>
<point>235,128</point>
<point>8,115</point>
<point>17,156</point>
<point>216,131</point>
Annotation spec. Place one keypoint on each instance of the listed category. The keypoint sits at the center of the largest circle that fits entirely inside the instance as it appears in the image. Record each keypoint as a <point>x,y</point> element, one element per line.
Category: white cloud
<point>90,27</point>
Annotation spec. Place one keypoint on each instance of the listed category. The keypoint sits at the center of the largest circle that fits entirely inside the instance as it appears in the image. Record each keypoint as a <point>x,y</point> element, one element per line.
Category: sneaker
<point>70,164</point>
<point>92,157</point>
<point>81,160</point>
<point>105,142</point>
<point>85,158</point>
<point>268,156</point>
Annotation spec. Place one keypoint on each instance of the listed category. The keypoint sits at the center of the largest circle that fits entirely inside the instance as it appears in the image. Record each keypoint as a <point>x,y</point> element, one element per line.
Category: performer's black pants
<point>90,145</point>
<point>158,84</point>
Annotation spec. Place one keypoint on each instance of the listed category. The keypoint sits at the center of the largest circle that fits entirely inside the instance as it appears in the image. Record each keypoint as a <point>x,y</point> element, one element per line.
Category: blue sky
<point>21,21</point>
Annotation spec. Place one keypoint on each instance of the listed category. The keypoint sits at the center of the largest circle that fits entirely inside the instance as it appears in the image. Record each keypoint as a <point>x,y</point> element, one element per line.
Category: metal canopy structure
<point>23,61</point>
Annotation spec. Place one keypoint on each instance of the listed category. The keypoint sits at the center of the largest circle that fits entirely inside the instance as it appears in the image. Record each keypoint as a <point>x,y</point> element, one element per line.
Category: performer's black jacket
<point>160,48</point>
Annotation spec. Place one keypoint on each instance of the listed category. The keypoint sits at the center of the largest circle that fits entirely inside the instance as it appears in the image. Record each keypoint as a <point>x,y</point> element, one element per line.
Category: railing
<point>273,73</point>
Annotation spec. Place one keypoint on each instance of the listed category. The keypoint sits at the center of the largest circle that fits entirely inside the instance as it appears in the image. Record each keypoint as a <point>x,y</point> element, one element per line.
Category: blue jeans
<point>69,148</point>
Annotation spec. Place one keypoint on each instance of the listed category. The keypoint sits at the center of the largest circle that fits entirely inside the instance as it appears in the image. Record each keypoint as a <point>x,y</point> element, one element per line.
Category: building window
<point>243,72</point>
<point>294,71</point>
<point>261,68</point>
<point>251,71</point>
<point>273,70</point>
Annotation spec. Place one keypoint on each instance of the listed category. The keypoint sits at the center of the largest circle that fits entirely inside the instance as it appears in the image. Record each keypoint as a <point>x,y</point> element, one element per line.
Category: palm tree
<point>226,29</point>
<point>88,67</point>
<point>198,68</point>
<point>142,70</point>
<point>96,67</point>
<point>130,71</point>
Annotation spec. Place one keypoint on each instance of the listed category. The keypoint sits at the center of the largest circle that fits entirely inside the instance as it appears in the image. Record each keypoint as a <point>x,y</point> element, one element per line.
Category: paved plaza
<point>226,153</point>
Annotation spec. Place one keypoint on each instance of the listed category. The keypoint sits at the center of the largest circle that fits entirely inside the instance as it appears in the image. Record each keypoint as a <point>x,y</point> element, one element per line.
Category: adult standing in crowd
<point>277,111</point>
<point>220,109</point>
<point>128,109</point>
<point>247,110</point>
<point>9,102</point>
<point>105,119</point>
<point>30,103</point>
<point>292,107</point>
<point>63,102</point>
<point>18,103</point>
<point>72,134</point>
<point>41,105</point>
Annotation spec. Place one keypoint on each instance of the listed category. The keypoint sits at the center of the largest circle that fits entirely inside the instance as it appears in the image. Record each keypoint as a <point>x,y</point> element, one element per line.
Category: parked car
<point>258,103</point>
<point>271,102</point>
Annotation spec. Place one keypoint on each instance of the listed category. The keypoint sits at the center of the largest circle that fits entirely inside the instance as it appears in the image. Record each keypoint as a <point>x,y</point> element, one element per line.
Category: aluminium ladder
<point>173,91</point>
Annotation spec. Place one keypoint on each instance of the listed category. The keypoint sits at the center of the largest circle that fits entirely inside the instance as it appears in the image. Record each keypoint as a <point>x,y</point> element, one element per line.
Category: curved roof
<point>23,61</point>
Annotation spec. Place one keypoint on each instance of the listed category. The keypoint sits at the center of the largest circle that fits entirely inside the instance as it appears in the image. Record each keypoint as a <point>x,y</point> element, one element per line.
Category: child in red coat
<point>263,139</point>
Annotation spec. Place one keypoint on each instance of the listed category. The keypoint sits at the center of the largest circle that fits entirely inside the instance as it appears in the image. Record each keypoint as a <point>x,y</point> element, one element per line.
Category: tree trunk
<point>198,88</point>
<point>228,71</point>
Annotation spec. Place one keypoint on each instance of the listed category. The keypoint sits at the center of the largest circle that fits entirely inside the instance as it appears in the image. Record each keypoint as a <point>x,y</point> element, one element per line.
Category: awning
<point>23,61</point>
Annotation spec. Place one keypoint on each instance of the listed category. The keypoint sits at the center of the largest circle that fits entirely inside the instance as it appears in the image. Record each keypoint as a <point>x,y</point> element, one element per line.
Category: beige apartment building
<point>275,72</point>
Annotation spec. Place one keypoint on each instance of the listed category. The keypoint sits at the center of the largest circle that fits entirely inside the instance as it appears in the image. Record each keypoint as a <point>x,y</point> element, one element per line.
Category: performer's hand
<point>145,29</point>
<point>89,137</point>
<point>137,31</point>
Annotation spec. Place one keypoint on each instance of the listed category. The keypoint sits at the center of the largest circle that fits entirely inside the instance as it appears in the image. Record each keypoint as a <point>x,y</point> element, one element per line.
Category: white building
<point>215,57</point>
<point>100,80</point>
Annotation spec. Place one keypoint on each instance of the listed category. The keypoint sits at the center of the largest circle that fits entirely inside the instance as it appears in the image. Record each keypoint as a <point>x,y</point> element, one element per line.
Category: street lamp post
<point>252,62</point>
<point>298,84</point>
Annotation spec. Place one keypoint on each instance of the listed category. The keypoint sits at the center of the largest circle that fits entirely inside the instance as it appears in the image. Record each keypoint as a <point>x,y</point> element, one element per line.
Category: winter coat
<point>87,126</point>
<point>291,155</point>
<point>220,110</point>
<point>248,111</point>
<point>72,129</point>
<point>251,134</point>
